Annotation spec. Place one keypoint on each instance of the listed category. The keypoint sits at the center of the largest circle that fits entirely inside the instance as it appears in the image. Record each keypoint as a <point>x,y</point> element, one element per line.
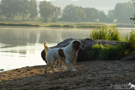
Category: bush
<point>54,26</point>
<point>110,52</point>
<point>67,26</point>
<point>132,36</point>
<point>95,51</point>
<point>105,32</point>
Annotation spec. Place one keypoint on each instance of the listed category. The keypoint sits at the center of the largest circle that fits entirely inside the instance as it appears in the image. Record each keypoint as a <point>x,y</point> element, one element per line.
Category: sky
<point>104,5</point>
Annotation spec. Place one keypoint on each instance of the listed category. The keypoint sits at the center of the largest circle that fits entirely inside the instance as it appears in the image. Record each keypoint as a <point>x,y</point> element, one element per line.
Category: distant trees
<point>121,13</point>
<point>80,14</point>
<point>49,11</point>
<point>9,8</point>
<point>69,13</point>
<point>32,9</point>
<point>12,8</point>
<point>56,14</point>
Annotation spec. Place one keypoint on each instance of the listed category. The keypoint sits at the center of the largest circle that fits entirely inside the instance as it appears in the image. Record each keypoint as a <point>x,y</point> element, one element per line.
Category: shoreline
<point>96,74</point>
<point>61,25</point>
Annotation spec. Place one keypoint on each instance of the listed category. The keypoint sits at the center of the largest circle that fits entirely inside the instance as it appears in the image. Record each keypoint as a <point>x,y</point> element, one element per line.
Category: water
<point>22,46</point>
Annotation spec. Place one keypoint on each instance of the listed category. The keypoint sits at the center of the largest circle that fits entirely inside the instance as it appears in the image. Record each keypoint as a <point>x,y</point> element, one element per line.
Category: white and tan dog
<point>67,54</point>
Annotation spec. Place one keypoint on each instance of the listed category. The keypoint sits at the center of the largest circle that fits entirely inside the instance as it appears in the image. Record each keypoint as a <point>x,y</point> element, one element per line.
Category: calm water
<point>21,46</point>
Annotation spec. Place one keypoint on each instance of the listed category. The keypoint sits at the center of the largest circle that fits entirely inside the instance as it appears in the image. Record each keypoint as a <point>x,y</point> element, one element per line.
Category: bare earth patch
<point>89,75</point>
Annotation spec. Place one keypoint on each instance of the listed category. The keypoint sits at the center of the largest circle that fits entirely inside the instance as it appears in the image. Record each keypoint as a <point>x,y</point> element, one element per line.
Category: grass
<point>111,52</point>
<point>105,32</point>
<point>16,24</point>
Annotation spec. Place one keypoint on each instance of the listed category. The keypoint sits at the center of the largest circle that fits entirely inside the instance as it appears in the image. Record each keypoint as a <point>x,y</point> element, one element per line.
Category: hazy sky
<point>104,5</point>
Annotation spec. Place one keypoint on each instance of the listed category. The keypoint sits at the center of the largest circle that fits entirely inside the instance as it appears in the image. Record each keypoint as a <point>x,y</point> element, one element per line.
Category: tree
<point>80,14</point>
<point>91,14</point>
<point>24,8</point>
<point>9,8</point>
<point>46,10</point>
<point>69,13</point>
<point>32,8</point>
<point>111,16</point>
<point>57,13</point>
<point>102,17</point>
<point>123,11</point>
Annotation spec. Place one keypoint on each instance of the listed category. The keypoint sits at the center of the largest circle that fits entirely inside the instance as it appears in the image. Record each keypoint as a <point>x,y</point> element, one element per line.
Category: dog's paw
<point>45,72</point>
<point>74,69</point>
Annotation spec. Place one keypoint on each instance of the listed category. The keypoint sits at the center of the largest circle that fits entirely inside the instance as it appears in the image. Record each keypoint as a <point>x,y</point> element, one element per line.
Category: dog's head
<point>77,45</point>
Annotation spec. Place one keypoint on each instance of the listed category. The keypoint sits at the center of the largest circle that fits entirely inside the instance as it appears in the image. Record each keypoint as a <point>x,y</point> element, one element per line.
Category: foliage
<point>12,8</point>
<point>123,11</point>
<point>46,12</point>
<point>49,11</point>
<point>132,36</point>
<point>24,7</point>
<point>57,13</point>
<point>110,52</point>
<point>33,8</point>
<point>69,13</point>
<point>54,26</point>
<point>114,52</point>
<point>80,14</point>
<point>105,32</point>
<point>95,51</point>
<point>68,26</point>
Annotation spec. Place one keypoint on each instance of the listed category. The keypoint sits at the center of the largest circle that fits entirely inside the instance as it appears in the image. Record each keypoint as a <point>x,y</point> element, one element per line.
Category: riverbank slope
<point>89,75</point>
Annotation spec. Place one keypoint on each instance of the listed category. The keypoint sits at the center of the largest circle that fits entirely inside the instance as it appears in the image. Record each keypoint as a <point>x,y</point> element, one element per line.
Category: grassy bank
<point>111,52</point>
<point>59,24</point>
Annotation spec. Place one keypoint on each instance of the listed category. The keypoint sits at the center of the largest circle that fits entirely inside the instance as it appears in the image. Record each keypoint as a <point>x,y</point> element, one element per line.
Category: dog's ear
<point>76,45</point>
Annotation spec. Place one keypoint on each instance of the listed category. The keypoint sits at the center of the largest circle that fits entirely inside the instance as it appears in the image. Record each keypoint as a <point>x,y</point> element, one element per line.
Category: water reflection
<point>21,46</point>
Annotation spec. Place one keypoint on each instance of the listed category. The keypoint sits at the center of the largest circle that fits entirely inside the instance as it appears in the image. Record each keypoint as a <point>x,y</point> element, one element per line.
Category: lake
<point>22,46</point>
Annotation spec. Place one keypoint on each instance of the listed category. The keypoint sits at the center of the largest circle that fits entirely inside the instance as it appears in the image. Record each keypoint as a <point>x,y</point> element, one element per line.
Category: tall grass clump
<point>95,51</point>
<point>108,52</point>
<point>105,32</point>
<point>132,36</point>
<point>112,52</point>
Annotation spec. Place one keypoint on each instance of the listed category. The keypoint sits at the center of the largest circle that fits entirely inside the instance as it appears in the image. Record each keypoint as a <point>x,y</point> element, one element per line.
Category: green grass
<point>112,52</point>
<point>16,24</point>
<point>105,32</point>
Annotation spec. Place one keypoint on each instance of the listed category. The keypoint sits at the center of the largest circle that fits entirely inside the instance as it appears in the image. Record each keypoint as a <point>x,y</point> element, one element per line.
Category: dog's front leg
<point>53,69</point>
<point>68,64</point>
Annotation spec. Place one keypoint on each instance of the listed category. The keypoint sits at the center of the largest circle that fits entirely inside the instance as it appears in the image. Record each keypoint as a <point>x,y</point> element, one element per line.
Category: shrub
<point>67,26</point>
<point>54,26</point>
<point>95,51</point>
<point>105,32</point>
<point>113,33</point>
<point>99,33</point>
<point>110,52</point>
<point>132,36</point>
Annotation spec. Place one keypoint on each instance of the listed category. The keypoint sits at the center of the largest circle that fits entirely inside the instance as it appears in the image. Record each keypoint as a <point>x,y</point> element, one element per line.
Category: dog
<point>66,54</point>
<point>58,63</point>
<point>131,86</point>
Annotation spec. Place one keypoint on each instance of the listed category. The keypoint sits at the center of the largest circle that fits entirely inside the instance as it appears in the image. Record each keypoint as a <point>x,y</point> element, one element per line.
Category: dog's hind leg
<point>52,64</point>
<point>46,67</point>
<point>48,64</point>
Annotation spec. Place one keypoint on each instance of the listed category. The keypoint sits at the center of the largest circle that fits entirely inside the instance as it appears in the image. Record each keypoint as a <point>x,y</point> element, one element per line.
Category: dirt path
<point>89,75</point>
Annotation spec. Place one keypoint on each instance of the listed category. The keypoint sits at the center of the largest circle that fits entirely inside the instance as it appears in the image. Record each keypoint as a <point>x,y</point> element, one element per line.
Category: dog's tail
<point>46,47</point>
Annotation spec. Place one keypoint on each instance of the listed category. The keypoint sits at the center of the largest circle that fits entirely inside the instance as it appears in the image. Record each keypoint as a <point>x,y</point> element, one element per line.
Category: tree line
<point>71,13</point>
